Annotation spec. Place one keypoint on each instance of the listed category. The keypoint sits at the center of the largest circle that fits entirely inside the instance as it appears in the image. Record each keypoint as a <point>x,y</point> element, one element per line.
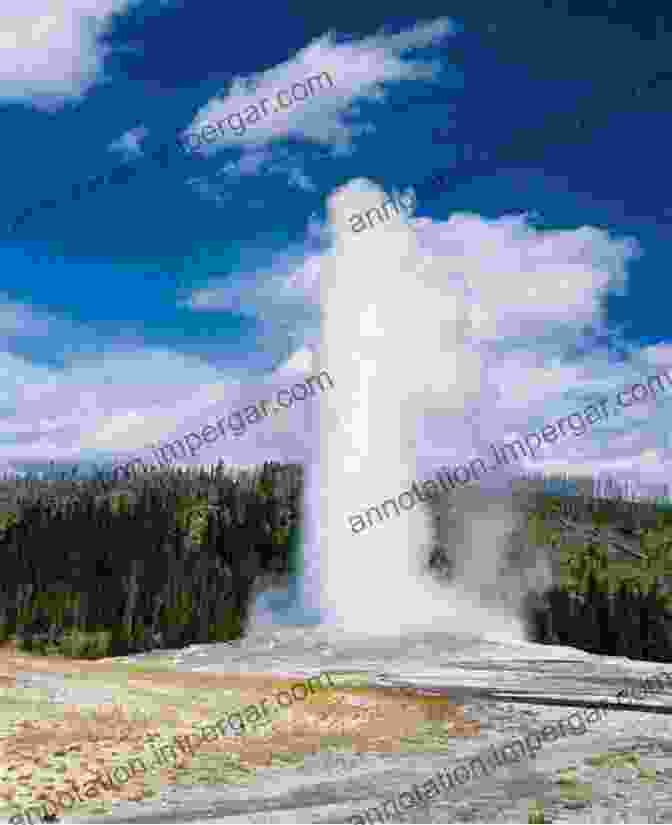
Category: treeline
<point>100,568</point>
<point>96,567</point>
<point>607,601</point>
<point>633,624</point>
<point>627,495</point>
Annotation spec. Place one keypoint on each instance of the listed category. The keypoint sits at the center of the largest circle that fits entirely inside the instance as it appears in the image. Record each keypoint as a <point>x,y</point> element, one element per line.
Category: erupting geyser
<point>396,339</point>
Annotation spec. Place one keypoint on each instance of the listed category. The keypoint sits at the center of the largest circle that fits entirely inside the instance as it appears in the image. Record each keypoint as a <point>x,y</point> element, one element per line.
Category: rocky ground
<point>618,770</point>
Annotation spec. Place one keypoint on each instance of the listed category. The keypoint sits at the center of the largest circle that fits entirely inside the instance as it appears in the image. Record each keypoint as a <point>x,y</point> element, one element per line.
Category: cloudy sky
<point>133,311</point>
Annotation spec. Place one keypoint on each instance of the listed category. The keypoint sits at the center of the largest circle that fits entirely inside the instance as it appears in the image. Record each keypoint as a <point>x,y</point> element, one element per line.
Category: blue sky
<point>136,310</point>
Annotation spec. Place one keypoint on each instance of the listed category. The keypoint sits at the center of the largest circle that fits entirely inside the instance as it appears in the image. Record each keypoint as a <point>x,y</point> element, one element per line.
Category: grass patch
<point>614,759</point>
<point>349,679</point>
<point>287,760</point>
<point>430,736</point>
<point>623,759</point>
<point>648,774</point>
<point>573,790</point>
<point>207,768</point>
<point>535,815</point>
<point>156,663</point>
<point>335,742</point>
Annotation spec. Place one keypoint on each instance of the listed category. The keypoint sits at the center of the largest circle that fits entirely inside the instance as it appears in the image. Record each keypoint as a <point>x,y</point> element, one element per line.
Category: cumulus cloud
<point>531,293</point>
<point>81,410</point>
<point>85,413</point>
<point>52,53</point>
<point>632,443</point>
<point>524,278</point>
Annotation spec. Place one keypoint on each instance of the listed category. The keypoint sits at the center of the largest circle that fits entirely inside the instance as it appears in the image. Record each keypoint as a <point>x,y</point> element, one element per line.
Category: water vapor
<point>396,330</point>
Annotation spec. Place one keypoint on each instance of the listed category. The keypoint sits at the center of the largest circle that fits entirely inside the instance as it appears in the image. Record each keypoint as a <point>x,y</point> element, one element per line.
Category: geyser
<point>396,337</point>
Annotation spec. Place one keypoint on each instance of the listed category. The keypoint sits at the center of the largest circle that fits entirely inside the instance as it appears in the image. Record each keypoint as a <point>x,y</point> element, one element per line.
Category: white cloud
<point>526,278</point>
<point>510,270</point>
<point>537,290</point>
<point>83,412</point>
<point>359,70</point>
<point>20,320</point>
<point>51,50</point>
<point>659,355</point>
<point>647,466</point>
<point>284,298</point>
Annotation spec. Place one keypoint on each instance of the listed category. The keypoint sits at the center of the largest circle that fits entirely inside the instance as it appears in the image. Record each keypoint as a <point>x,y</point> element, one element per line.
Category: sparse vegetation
<point>571,788</point>
<point>614,759</point>
<point>622,759</point>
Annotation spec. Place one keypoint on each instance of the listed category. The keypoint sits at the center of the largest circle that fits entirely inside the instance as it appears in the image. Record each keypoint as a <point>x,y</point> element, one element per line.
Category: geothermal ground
<point>462,695</point>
